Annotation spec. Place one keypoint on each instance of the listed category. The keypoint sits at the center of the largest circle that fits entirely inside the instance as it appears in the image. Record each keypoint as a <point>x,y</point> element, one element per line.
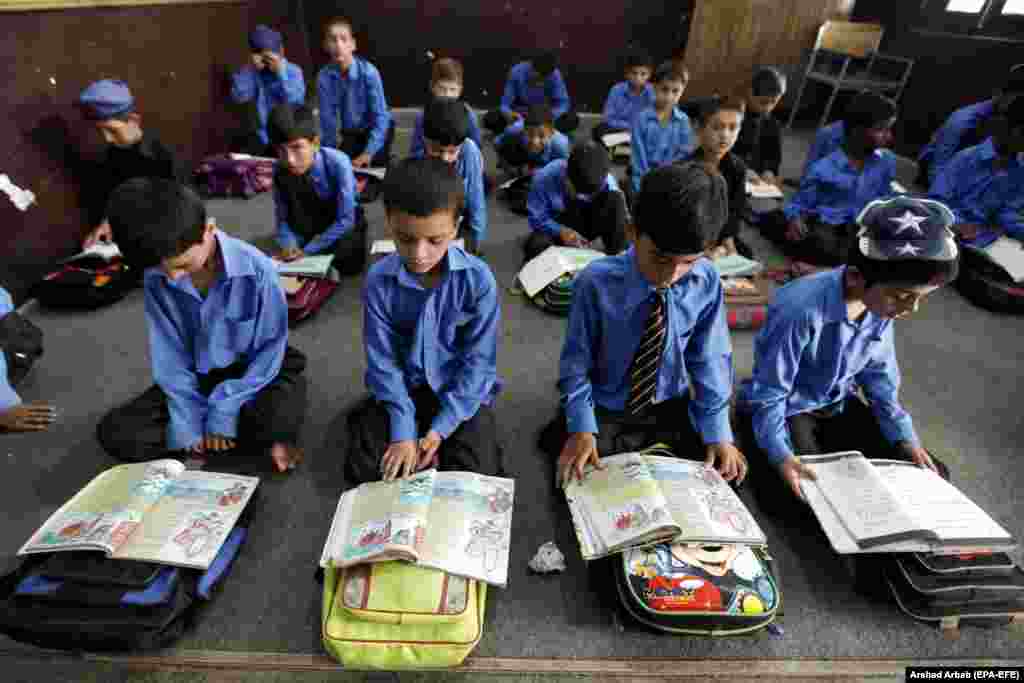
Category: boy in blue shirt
<point>268,81</point>
<point>16,416</point>
<point>430,328</point>
<point>315,204</point>
<point>218,338</point>
<point>445,136</point>
<point>445,81</point>
<point>629,97</point>
<point>647,345</point>
<point>537,81</point>
<point>662,134</point>
<point>573,203</point>
<point>826,140</point>
<point>815,223</point>
<point>354,115</point>
<point>531,143</point>
<point>828,344</point>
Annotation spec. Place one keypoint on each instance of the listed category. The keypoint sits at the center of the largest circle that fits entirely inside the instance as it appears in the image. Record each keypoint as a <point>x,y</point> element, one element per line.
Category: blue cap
<point>905,228</point>
<point>264,38</point>
<point>106,99</point>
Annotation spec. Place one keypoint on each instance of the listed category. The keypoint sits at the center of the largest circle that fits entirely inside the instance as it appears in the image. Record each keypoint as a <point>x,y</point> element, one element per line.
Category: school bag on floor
<point>515,193</point>
<point>987,285</point>
<point>368,186</point>
<point>396,615</point>
<point>235,175</point>
<point>556,297</point>
<point>22,344</point>
<point>699,589</point>
<point>85,285</point>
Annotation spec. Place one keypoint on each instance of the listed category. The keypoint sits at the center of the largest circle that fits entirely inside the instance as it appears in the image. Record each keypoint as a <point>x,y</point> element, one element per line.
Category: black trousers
<point>513,152</point>
<point>249,142</point>
<point>137,430</point>
<point>351,249</point>
<point>352,141</point>
<point>472,447</point>
<point>496,122</point>
<point>602,129</point>
<point>824,245</point>
<point>603,216</point>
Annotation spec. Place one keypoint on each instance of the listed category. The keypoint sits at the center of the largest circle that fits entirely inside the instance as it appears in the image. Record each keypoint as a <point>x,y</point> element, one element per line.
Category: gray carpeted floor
<point>961,382</point>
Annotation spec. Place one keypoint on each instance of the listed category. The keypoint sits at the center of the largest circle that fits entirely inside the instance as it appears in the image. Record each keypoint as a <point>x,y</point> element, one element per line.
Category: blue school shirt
<point>611,302</point>
<point>810,355</point>
<point>655,145</point>
<point>978,194</point>
<point>944,145</point>
<point>470,167</point>
<point>356,99</point>
<point>332,177</point>
<point>623,105</point>
<point>417,147</point>
<point>8,397</point>
<point>547,196</point>
<point>520,95</point>
<point>268,89</point>
<point>558,146</point>
<point>445,337</point>
<point>244,318</point>
<point>827,140</point>
<point>836,192</point>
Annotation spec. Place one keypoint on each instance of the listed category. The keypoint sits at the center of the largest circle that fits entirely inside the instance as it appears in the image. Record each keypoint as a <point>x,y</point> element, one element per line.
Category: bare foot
<point>285,456</point>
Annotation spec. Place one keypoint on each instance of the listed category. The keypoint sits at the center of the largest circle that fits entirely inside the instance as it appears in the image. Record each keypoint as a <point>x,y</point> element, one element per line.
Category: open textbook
<point>763,190</point>
<point>154,511</point>
<point>641,499</point>
<point>873,506</point>
<point>456,521</point>
<point>736,265</point>
<point>553,263</point>
<point>388,246</point>
<point>615,139</point>
<point>310,266</point>
<point>1006,253</point>
<point>107,251</point>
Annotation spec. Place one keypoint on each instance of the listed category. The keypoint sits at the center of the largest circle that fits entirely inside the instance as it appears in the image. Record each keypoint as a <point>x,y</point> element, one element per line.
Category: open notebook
<point>388,246</point>
<point>553,263</point>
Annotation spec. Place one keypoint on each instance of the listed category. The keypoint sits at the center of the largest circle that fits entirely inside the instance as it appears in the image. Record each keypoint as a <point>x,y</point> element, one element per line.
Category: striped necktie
<point>643,374</point>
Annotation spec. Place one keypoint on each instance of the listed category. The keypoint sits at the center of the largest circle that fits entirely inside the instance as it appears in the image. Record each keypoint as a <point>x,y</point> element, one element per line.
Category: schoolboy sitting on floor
<point>267,81</point>
<point>218,338</point>
<point>573,203</point>
<point>647,342</point>
<point>431,316</point>
<point>131,152</point>
<point>718,125</point>
<point>315,204</point>
<point>629,97</point>
<point>759,144</point>
<point>661,134</point>
<point>537,81</point>
<point>827,139</point>
<point>445,81</point>
<point>16,416</point>
<point>528,145</point>
<point>829,336</point>
<point>354,115</point>
<point>815,223</point>
<point>445,129</point>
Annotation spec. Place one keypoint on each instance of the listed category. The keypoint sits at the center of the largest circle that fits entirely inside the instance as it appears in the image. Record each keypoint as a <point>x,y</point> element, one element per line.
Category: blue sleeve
<point>559,147</point>
<point>346,198</point>
<point>688,141</point>
<point>286,238</point>
<point>559,95</point>
<point>944,187</point>
<point>243,84</point>
<point>8,397</point>
<point>806,198</point>
<point>708,358</point>
<point>385,377</point>
<point>474,128</point>
<point>477,368</point>
<point>476,203</point>
<point>638,163</point>
<point>616,109</point>
<point>293,84</point>
<point>1011,215</point>
<point>539,209</point>
<point>880,380</point>
<point>270,339</point>
<point>174,371</point>
<point>417,148</point>
<point>378,110</point>
<point>818,149</point>
<point>582,337</point>
<point>328,106</point>
<point>508,98</point>
<point>944,145</point>
<point>6,302</point>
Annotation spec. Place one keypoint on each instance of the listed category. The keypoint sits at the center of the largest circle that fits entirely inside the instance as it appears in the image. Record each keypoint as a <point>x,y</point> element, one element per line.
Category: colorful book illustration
<point>553,263</point>
<point>459,522</point>
<point>640,499</point>
<point>155,511</point>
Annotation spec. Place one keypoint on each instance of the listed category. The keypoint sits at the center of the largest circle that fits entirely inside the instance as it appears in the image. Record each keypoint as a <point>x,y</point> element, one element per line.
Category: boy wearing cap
<point>647,356</point>
<point>446,137</point>
<point>828,339</point>
<point>629,97</point>
<point>573,203</point>
<point>537,81</point>
<point>267,81</point>
<point>759,144</point>
<point>315,203</point>
<point>130,153</point>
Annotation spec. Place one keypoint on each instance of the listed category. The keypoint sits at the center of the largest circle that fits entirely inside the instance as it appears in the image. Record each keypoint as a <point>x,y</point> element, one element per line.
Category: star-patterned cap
<point>907,228</point>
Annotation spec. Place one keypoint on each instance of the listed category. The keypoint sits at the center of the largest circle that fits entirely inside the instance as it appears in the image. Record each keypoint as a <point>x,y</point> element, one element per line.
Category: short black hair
<point>768,82</point>
<point>588,166</point>
<point>544,63</point>
<point>637,57</point>
<point>155,219</point>
<point>539,115</point>
<point>867,110</point>
<point>708,107</point>
<point>906,272</point>
<point>445,121</point>
<point>670,71</point>
<point>422,187</point>
<point>681,207</point>
<point>287,123</point>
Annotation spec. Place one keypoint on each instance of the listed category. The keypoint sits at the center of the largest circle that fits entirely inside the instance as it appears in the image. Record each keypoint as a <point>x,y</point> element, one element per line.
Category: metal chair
<point>841,47</point>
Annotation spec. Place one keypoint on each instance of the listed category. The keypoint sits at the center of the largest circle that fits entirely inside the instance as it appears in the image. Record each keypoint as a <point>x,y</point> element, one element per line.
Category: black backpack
<point>88,284</point>
<point>22,343</point>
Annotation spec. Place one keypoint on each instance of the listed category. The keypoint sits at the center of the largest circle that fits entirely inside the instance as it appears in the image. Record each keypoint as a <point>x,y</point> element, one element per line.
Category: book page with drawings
<point>387,520</point>
<point>191,520</point>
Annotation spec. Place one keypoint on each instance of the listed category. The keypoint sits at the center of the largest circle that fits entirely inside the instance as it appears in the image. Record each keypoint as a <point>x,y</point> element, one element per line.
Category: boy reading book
<point>218,338</point>
<point>647,356</point>
<point>445,81</point>
<point>535,81</point>
<point>628,97</point>
<point>759,144</point>
<point>430,329</point>
<point>529,145</point>
<point>827,345</point>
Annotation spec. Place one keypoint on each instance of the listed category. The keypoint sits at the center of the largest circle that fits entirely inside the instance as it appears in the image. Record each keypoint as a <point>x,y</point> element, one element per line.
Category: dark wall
<point>950,71</point>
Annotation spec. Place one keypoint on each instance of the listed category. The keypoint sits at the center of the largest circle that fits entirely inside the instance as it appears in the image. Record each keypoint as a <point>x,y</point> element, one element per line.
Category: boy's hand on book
<point>400,460</point>
<point>731,462</point>
<point>579,451</point>
<point>290,254</point>
<point>571,238</point>
<point>361,161</point>
<point>918,455</point>
<point>215,443</point>
<point>428,446</point>
<point>792,471</point>
<point>28,417</point>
